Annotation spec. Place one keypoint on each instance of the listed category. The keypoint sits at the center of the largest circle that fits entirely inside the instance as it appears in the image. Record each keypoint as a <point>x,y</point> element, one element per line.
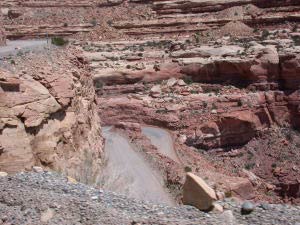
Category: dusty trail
<point>162,140</point>
<point>128,173</point>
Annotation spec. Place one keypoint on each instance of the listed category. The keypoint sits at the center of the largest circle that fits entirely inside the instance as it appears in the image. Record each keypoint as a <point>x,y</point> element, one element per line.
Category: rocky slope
<point>222,77</point>
<point>48,115</point>
<point>49,198</point>
<point>240,88</point>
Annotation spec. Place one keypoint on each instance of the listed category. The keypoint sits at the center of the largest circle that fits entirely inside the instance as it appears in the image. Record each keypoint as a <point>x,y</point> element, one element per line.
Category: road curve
<point>128,173</point>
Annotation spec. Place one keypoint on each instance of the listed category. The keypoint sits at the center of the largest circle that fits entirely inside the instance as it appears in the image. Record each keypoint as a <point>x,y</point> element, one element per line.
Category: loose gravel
<point>48,198</point>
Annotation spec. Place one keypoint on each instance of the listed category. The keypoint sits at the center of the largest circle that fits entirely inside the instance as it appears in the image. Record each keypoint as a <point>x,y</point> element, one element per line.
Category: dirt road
<point>162,140</point>
<point>128,173</point>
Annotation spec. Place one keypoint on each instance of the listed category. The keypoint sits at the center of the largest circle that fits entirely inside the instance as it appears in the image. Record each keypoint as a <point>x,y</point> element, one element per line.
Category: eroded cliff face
<point>2,31</point>
<point>48,116</point>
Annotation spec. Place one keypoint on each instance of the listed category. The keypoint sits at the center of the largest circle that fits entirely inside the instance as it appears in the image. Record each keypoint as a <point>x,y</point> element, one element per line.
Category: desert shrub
<point>98,84</point>
<point>240,103</point>
<point>110,22</point>
<point>295,28</point>
<point>296,40</point>
<point>274,165</point>
<point>59,41</point>
<point>188,80</point>
<point>187,169</point>
<point>265,33</point>
<point>249,166</point>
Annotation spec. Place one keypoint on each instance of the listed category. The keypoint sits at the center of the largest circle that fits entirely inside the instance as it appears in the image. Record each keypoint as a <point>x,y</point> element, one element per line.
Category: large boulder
<point>197,193</point>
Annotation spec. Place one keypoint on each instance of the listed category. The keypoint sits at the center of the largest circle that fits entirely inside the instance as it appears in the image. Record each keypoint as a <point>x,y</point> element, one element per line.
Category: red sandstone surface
<point>221,76</point>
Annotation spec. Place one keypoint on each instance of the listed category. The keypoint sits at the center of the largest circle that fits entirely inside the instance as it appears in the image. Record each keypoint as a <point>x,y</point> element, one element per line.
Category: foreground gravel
<point>48,198</point>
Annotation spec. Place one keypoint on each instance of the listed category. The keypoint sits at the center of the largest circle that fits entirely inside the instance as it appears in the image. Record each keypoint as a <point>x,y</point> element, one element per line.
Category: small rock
<point>155,91</point>
<point>264,206</point>
<point>37,169</point>
<point>217,208</point>
<point>47,215</point>
<point>227,217</point>
<point>72,180</point>
<point>171,82</point>
<point>247,208</point>
<point>181,82</point>
<point>3,174</point>
<point>94,197</point>
<point>220,195</point>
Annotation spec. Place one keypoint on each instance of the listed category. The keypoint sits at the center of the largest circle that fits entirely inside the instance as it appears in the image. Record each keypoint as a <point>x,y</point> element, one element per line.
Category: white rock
<point>171,82</point>
<point>47,215</point>
<point>181,82</point>
<point>227,218</point>
<point>37,169</point>
<point>3,174</point>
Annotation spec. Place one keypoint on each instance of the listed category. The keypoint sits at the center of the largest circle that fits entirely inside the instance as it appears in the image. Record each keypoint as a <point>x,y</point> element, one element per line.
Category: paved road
<point>128,173</point>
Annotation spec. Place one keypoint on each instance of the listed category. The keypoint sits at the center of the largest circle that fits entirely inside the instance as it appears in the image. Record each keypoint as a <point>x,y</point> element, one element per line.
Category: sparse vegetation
<point>295,28</point>
<point>187,169</point>
<point>59,41</point>
<point>296,40</point>
<point>265,33</point>
<point>98,85</point>
<point>240,103</point>
<point>188,80</point>
<point>249,166</point>
<point>93,22</point>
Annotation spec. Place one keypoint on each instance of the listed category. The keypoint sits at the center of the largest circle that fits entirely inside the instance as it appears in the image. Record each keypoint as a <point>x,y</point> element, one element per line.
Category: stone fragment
<point>37,169</point>
<point>155,91</point>
<point>247,208</point>
<point>181,82</point>
<point>197,193</point>
<point>171,82</point>
<point>228,218</point>
<point>47,215</point>
<point>217,208</point>
<point>3,174</point>
<point>72,180</point>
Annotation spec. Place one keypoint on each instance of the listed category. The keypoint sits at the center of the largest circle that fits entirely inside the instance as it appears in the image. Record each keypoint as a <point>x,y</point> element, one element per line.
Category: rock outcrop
<point>49,118</point>
<point>2,31</point>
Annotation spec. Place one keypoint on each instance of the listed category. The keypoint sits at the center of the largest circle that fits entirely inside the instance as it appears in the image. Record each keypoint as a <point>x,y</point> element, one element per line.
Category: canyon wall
<point>48,117</point>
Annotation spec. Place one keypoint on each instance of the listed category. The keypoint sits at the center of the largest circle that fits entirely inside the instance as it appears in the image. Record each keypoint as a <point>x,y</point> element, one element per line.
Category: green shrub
<point>187,169</point>
<point>249,166</point>
<point>265,34</point>
<point>188,80</point>
<point>296,40</point>
<point>98,85</point>
<point>59,41</point>
<point>93,22</point>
